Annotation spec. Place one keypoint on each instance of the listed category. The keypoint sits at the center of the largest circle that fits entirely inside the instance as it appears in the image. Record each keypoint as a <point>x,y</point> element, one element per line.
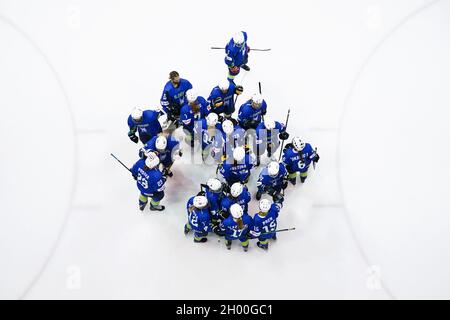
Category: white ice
<point>367,83</point>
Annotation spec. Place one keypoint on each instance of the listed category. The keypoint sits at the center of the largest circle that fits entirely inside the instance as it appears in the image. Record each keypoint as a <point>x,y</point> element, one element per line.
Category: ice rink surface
<point>367,83</point>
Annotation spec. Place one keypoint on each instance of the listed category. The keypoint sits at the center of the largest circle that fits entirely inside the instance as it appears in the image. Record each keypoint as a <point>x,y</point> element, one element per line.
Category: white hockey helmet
<point>265,205</point>
<point>214,184</point>
<point>137,114</point>
<point>224,85</point>
<point>273,168</point>
<point>298,144</point>
<point>238,154</point>
<point>191,95</point>
<point>161,143</point>
<point>212,119</point>
<point>236,211</point>
<point>257,100</point>
<point>200,202</point>
<point>228,127</point>
<point>238,38</point>
<point>269,123</point>
<point>236,189</point>
<point>152,160</point>
<point>163,121</point>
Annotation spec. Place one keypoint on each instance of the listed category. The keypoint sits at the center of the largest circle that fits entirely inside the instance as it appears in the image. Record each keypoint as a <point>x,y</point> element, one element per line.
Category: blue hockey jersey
<point>214,200</point>
<point>243,200</point>
<point>269,136</point>
<point>207,135</point>
<point>227,143</point>
<point>239,172</point>
<point>199,219</point>
<point>172,98</point>
<point>299,161</point>
<point>188,117</point>
<point>166,155</point>
<point>264,226</point>
<point>148,181</point>
<point>266,182</point>
<point>148,126</point>
<point>227,98</point>
<point>249,114</point>
<point>232,232</point>
<point>236,55</point>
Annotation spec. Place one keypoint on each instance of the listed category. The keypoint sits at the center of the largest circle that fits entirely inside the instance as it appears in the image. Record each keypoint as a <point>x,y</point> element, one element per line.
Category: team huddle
<point>236,145</point>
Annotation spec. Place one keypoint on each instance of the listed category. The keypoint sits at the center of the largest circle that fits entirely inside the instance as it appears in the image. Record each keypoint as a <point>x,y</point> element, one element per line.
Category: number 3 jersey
<point>148,181</point>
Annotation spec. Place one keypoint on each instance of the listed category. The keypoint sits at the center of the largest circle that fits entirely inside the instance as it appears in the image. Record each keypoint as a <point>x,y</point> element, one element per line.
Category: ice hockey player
<point>272,180</point>
<point>206,131</point>
<point>146,123</point>
<point>166,148</point>
<point>265,223</point>
<point>297,157</point>
<point>267,134</point>
<point>251,112</point>
<point>233,136</point>
<point>237,168</point>
<point>150,182</point>
<point>199,218</point>
<point>237,54</point>
<point>238,194</point>
<point>237,226</point>
<point>174,96</point>
<point>214,193</point>
<point>195,109</point>
<point>222,97</point>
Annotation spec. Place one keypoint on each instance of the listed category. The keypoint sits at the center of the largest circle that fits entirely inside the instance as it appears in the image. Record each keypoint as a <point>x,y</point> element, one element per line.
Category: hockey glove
<point>218,231</point>
<point>226,188</point>
<point>253,123</point>
<point>239,89</point>
<point>167,173</point>
<point>201,193</point>
<point>142,154</point>
<point>217,102</point>
<point>278,198</point>
<point>134,138</point>
<point>316,159</point>
<point>234,70</point>
<point>271,191</point>
<point>283,135</point>
<point>223,215</point>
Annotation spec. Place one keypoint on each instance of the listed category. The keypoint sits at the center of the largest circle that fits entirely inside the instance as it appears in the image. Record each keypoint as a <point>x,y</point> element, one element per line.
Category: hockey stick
<point>314,164</point>
<point>237,95</point>
<point>120,162</point>
<point>279,230</point>
<point>251,49</point>
<point>260,92</point>
<point>285,128</point>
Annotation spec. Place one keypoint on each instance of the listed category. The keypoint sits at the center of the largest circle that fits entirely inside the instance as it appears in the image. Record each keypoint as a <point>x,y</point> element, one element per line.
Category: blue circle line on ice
<point>60,84</point>
<point>347,99</point>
